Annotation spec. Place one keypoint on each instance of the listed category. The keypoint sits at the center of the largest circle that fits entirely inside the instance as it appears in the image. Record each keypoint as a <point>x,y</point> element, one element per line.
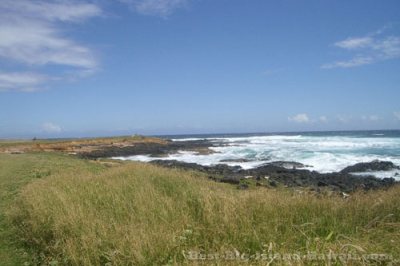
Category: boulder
<point>370,166</point>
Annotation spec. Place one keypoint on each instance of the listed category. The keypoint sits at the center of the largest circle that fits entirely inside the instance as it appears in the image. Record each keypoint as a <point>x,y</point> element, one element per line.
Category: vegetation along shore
<point>60,208</point>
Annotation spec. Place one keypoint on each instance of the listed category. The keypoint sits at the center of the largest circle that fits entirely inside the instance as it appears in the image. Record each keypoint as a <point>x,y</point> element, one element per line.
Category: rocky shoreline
<point>274,174</point>
<point>151,148</point>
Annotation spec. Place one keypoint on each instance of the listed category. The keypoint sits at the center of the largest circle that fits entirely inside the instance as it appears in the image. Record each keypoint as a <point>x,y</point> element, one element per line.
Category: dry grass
<point>139,214</point>
<point>73,145</point>
<point>16,171</point>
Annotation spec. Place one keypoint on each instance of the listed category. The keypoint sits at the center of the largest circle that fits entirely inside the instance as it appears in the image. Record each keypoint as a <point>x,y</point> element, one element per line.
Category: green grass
<point>75,212</point>
<point>15,172</point>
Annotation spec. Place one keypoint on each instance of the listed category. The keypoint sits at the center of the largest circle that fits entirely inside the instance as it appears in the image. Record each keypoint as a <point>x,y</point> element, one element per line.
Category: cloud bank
<point>299,118</point>
<point>31,37</point>
<point>162,8</point>
<point>23,81</point>
<point>51,128</point>
<point>371,118</point>
<point>367,50</point>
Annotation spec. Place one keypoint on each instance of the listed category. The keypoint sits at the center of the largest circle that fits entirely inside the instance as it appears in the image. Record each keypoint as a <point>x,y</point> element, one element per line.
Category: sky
<point>119,67</point>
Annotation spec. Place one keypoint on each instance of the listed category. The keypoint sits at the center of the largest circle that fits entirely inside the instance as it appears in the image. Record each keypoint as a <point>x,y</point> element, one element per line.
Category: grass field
<point>15,172</point>
<point>73,145</point>
<point>59,210</point>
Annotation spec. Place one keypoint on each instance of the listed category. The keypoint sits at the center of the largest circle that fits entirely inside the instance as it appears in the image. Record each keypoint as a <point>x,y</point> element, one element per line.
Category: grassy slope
<point>15,172</point>
<point>82,213</point>
<point>11,179</point>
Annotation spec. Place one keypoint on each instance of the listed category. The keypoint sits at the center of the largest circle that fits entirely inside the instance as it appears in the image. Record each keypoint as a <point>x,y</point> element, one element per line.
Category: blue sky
<point>105,67</point>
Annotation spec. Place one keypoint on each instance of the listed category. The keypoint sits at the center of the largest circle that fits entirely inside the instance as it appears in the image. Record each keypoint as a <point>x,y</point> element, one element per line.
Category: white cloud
<point>368,50</point>
<point>37,43</point>
<point>343,118</point>
<point>323,119</point>
<point>21,81</point>
<point>31,36</point>
<point>354,62</point>
<point>299,118</point>
<point>389,47</point>
<point>161,8</point>
<point>354,43</point>
<point>397,115</point>
<point>65,10</point>
<point>370,118</point>
<point>51,128</point>
<point>374,118</point>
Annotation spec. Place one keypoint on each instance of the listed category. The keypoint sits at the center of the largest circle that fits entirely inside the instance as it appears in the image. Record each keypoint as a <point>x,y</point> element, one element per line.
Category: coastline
<point>267,174</point>
<point>280,173</point>
<point>68,181</point>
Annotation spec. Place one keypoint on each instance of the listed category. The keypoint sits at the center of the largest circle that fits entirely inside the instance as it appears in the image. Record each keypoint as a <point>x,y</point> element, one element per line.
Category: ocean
<point>320,151</point>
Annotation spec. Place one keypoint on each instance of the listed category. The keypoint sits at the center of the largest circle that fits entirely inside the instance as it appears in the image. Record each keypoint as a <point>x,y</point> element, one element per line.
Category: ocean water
<point>321,151</point>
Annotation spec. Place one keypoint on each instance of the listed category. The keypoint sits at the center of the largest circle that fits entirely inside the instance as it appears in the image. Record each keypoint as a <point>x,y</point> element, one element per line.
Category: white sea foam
<point>188,139</point>
<point>141,158</point>
<point>381,174</point>
<point>321,153</point>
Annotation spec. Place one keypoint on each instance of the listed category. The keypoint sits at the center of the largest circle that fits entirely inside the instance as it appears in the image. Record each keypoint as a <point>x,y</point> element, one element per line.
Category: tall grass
<point>17,170</point>
<point>139,214</point>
